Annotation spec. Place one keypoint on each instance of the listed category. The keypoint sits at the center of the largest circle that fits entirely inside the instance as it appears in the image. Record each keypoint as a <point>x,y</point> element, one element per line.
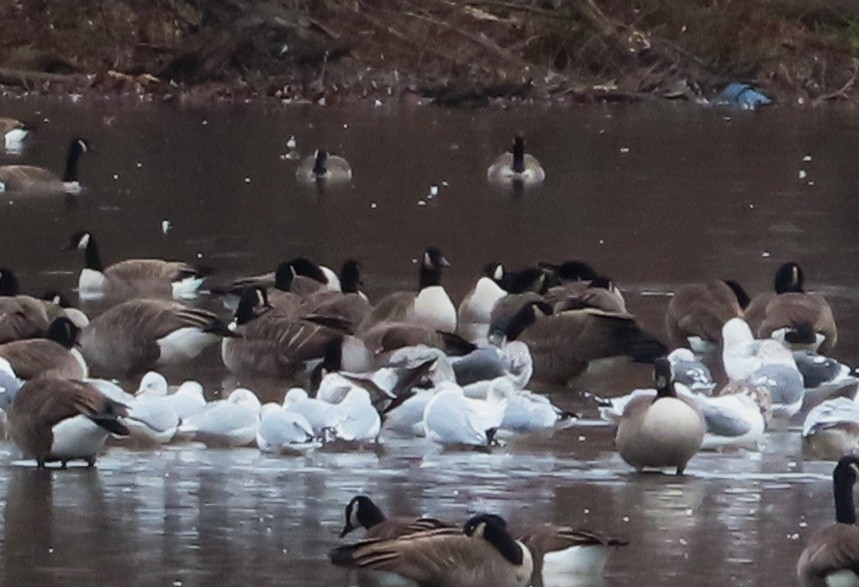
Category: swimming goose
<point>283,431</point>
<point>225,423</point>
<point>431,307</point>
<point>831,556</point>
<point>516,167</point>
<point>132,277</point>
<point>475,311</point>
<point>362,512</point>
<point>62,420</point>
<point>271,343</point>
<point>54,356</point>
<point>135,336</point>
<point>483,553</point>
<point>322,168</point>
<point>14,132</point>
<point>563,344</point>
<point>32,179</point>
<point>796,318</point>
<point>697,312</point>
<point>665,431</point>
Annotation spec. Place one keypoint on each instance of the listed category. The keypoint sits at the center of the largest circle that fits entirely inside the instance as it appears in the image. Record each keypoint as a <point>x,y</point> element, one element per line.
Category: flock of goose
<point>415,364</point>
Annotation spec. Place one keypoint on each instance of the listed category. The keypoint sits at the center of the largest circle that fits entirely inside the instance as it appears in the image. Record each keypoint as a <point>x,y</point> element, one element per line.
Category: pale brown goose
<point>482,553</point>
<point>665,431</point>
<point>132,278</point>
<point>135,336</point>
<point>62,420</point>
<point>19,179</point>
<point>793,316</point>
<point>14,132</point>
<point>54,356</point>
<point>516,166</point>
<point>564,552</point>
<point>831,556</point>
<point>362,512</point>
<point>274,344</point>
<point>697,312</point>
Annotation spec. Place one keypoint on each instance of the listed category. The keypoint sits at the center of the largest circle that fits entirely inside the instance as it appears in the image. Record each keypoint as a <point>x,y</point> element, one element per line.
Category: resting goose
<point>133,277</point>
<point>16,179</point>
<point>665,431</point>
<point>14,132</point>
<point>697,312</point>
<point>560,553</point>
<point>22,316</point>
<point>135,336</point>
<point>430,307</point>
<point>516,282</point>
<point>322,168</point>
<point>563,344</point>
<point>362,512</point>
<point>483,553</point>
<point>516,167</point>
<point>271,343</point>
<point>796,318</point>
<point>62,420</point>
<point>54,356</point>
<point>831,556</point>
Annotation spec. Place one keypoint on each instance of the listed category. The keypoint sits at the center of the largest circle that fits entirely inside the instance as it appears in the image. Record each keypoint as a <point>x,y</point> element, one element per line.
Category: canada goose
<point>563,344</point>
<point>516,167</point>
<point>55,299</point>
<point>665,431</point>
<point>23,316</point>
<point>561,552</point>
<point>475,311</point>
<point>516,282</point>
<point>29,178</point>
<point>271,343</point>
<point>62,420</point>
<point>135,336</point>
<point>483,553</point>
<point>831,556</point>
<point>223,423</point>
<point>54,356</point>
<point>798,319</point>
<point>831,429</point>
<point>283,431</point>
<point>600,293</point>
<point>322,168</point>
<point>697,312</point>
<point>431,306</point>
<point>132,277</point>
<point>349,304</point>
<point>14,132</point>
<point>362,512</point>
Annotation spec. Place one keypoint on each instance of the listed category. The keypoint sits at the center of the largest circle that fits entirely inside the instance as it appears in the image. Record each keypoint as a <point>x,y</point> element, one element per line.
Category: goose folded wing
<point>833,549</point>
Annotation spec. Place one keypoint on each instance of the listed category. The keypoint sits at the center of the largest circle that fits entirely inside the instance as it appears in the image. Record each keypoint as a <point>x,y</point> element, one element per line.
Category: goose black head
<point>321,158</point>
<point>56,298</point>
<point>742,297</point>
<point>64,332</point>
<point>663,378</point>
<point>361,512</point>
<point>843,479</point>
<point>495,272</point>
<point>432,264</point>
<point>520,321</point>
<point>350,276</point>
<point>80,240</point>
<point>253,302</point>
<point>518,154</point>
<point>789,279</point>
<point>9,285</point>
<point>493,529</point>
<point>77,148</point>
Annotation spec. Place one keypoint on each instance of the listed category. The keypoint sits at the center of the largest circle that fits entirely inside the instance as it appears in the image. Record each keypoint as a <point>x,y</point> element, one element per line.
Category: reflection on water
<point>653,196</point>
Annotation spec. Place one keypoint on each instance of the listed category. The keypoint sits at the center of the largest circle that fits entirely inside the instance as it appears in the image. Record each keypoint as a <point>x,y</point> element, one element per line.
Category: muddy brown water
<point>654,196</point>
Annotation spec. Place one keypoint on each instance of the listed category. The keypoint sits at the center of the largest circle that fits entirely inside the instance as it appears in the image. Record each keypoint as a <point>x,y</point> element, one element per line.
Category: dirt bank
<point>447,51</point>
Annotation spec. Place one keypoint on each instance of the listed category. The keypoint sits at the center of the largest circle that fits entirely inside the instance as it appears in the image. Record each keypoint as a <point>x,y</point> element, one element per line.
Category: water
<point>654,196</point>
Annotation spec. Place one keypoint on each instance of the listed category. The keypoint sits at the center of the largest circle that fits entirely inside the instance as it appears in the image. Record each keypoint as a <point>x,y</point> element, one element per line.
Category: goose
<point>282,431</point>
<point>475,311</point>
<point>14,132</point>
<point>450,418</point>
<point>563,344</point>
<point>32,179</point>
<point>515,282</point>
<point>569,271</point>
<point>62,420</point>
<point>273,344</point>
<point>296,278</point>
<point>54,356</point>
<point>362,512</point>
<point>224,423</point>
<point>798,319</point>
<point>665,431</point>
<point>322,168</point>
<point>132,277</point>
<point>697,312</point>
<point>831,556</point>
<point>431,307</point>
<point>135,336</point>
<point>483,553</point>
<point>831,429</point>
<point>349,304</point>
<point>23,316</point>
<point>516,167</point>
<point>55,300</point>
<point>562,552</point>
